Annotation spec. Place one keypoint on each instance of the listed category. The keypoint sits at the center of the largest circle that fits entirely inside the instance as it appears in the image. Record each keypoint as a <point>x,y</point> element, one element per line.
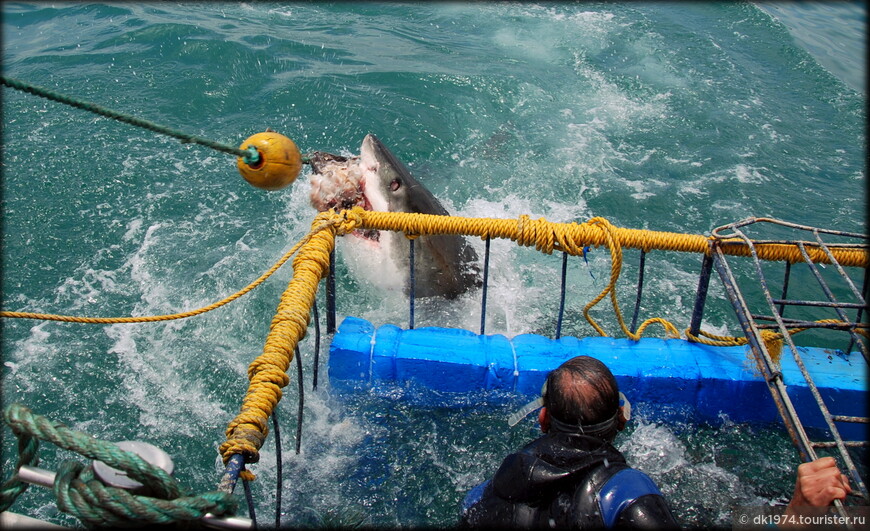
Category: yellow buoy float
<point>279,165</point>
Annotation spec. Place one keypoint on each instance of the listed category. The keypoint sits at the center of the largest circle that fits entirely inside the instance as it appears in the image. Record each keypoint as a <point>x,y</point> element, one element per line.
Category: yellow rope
<point>548,236</point>
<point>615,269</point>
<point>772,339</point>
<point>544,235</point>
<point>320,223</point>
<point>268,373</point>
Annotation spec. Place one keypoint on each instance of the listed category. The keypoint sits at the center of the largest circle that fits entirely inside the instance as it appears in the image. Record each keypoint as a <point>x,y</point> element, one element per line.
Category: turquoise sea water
<point>673,117</point>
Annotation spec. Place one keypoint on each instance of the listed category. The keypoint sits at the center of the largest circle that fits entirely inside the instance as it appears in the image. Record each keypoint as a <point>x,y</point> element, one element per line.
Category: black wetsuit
<point>567,481</point>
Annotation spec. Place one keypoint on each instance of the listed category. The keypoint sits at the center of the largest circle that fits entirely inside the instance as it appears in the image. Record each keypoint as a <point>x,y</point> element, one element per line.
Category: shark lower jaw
<point>371,235</point>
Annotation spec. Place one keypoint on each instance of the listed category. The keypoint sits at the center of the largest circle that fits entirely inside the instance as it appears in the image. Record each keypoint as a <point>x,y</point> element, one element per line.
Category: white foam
<point>654,449</point>
<point>133,227</point>
<point>168,401</point>
<point>747,174</point>
<point>369,261</point>
<point>522,287</point>
<point>34,358</point>
<point>537,47</point>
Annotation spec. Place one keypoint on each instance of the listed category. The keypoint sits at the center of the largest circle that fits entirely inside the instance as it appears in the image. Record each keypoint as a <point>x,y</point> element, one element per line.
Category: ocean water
<point>673,117</point>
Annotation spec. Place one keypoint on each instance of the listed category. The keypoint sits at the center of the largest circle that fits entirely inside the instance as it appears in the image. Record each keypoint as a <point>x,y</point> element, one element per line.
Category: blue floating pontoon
<point>670,376</point>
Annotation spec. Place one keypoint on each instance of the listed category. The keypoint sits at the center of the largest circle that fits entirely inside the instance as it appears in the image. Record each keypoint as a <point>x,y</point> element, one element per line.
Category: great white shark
<point>444,265</point>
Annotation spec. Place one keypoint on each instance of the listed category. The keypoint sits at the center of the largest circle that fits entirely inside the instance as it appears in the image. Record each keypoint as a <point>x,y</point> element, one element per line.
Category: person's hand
<point>818,484</point>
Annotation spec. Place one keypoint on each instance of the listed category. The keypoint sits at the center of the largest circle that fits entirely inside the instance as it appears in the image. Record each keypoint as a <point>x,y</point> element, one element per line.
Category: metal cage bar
<point>640,270</point>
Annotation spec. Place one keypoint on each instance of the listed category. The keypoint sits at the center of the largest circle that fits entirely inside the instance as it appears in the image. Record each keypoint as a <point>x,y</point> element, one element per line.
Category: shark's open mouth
<point>443,264</point>
<point>339,182</point>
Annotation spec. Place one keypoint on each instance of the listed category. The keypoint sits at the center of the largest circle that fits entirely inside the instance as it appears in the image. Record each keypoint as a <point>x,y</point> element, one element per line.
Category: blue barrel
<point>671,379</point>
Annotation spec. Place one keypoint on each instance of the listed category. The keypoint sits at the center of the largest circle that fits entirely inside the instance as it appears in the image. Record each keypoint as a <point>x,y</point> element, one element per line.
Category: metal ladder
<point>754,323</point>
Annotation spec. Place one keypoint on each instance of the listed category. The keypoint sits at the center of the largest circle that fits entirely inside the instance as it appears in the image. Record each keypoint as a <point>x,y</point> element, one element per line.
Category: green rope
<point>12,488</point>
<point>250,156</point>
<point>81,494</point>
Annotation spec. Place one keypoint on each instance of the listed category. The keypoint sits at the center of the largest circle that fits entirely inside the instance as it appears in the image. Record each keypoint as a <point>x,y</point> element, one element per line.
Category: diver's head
<point>581,397</point>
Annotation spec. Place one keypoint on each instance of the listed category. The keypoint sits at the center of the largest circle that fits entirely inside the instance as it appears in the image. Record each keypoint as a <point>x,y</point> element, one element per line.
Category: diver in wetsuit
<point>571,477</point>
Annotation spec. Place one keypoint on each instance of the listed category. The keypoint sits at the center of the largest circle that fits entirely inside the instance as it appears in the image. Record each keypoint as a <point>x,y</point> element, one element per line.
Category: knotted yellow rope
<point>571,238</point>
<point>267,374</point>
<point>544,235</point>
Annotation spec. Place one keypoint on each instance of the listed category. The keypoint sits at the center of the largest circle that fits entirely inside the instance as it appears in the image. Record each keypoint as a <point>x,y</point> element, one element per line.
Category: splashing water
<point>674,118</point>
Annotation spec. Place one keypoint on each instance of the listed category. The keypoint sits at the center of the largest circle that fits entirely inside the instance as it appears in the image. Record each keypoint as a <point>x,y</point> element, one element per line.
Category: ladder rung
<point>833,444</point>
<point>846,418</point>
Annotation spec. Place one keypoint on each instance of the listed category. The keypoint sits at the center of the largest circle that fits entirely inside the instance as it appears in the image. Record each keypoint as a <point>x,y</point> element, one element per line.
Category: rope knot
<point>348,220</point>
<point>536,232</point>
<point>567,236</point>
<point>345,221</point>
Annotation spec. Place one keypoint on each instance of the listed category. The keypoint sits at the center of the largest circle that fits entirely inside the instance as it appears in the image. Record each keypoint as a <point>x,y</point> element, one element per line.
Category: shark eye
<point>395,185</point>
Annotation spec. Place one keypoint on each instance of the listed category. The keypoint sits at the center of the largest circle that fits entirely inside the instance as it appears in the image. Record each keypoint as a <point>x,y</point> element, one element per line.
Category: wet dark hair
<point>583,392</point>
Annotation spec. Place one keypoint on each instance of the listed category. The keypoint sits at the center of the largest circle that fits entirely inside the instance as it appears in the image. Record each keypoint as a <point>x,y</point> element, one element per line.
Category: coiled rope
<point>80,493</point>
